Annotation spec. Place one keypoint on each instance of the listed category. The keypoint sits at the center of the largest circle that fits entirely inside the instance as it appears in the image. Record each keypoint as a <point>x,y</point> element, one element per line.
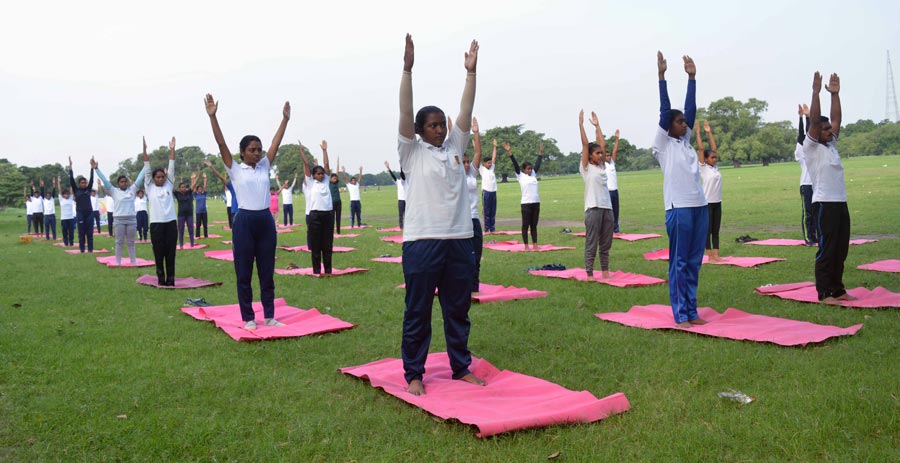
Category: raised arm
<point>71,177</point>
<point>293,183</point>
<point>834,88</point>
<point>211,107</point>
<point>95,167</point>
<point>359,179</point>
<point>407,125</point>
<point>540,158</point>
<point>306,171</point>
<point>216,173</point>
<point>511,157</point>
<point>103,179</point>
<point>494,154</point>
<point>584,140</point>
<point>204,182</point>
<point>690,98</point>
<point>800,133</point>
<point>615,153</point>
<point>194,179</point>
<point>324,147</point>
<point>279,134</point>
<point>664,105</point>
<point>815,109</point>
<point>170,172</point>
<point>476,161</point>
<point>390,172</point>
<point>467,104</point>
<point>709,135</point>
<point>346,177</point>
<point>598,134</point>
<point>699,144</point>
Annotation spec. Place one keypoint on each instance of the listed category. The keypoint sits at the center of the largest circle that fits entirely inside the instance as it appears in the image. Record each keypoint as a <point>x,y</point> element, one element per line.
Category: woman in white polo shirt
<point>320,216</point>
<point>531,200</point>
<point>687,217</point>
<point>489,190</point>
<point>66,214</point>
<point>254,236</point>
<point>612,181</point>
<point>163,226</point>
<point>355,203</point>
<point>712,189</point>
<point>598,213</point>
<point>437,235</point>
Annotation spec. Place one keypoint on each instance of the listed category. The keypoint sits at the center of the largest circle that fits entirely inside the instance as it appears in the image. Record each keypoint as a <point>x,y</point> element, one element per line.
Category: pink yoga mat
<point>220,222</point>
<point>890,265</point>
<point>63,245</point>
<point>746,262</point>
<point>516,246</point>
<point>806,292</point>
<point>304,248</point>
<point>347,235</point>
<point>188,247</point>
<point>732,324</point>
<point>627,236</point>
<point>297,322</point>
<point>789,242</point>
<point>96,251</point>
<point>224,254</point>
<point>180,283</point>
<point>392,238</point>
<point>499,293</point>
<point>280,230</point>
<point>227,242</point>
<point>110,261</point>
<point>142,242</point>
<point>390,230</point>
<point>619,279</point>
<point>389,260</point>
<point>358,227</point>
<point>308,271</point>
<point>211,236</point>
<point>504,232</point>
<point>511,401</point>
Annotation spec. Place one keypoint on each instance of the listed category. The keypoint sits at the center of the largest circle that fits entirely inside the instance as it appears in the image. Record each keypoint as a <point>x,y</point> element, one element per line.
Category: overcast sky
<point>90,78</point>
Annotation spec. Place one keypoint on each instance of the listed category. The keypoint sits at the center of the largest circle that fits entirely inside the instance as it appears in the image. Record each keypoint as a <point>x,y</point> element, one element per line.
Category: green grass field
<point>82,344</point>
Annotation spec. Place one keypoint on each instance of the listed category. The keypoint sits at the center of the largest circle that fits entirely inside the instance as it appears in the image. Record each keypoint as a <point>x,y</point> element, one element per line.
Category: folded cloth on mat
<point>304,248</point>
<point>211,236</point>
<point>746,262</point>
<point>627,236</point>
<point>392,238</point>
<point>223,254</point>
<point>226,242</point>
<point>732,324</point>
<point>890,265</point>
<point>618,278</point>
<point>309,271</point>
<point>504,232</point>
<point>511,401</point>
<point>347,235</point>
<point>297,322</point>
<point>389,260</point>
<point>96,251</point>
<point>806,292</point>
<point>790,242</point>
<point>499,293</point>
<point>516,246</point>
<point>188,247</point>
<point>390,230</point>
<point>180,283</point>
<point>110,261</point>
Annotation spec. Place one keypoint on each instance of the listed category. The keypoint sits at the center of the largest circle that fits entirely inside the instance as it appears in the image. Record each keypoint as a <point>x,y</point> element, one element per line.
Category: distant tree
<point>11,183</point>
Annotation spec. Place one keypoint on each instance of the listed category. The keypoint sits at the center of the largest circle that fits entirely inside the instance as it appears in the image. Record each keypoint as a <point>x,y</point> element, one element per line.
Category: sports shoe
<point>250,326</point>
<point>271,322</point>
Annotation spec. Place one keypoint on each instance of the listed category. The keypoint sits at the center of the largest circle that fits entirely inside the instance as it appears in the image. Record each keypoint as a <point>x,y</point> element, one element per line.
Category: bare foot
<point>830,301</point>
<point>698,321</point>
<point>475,294</point>
<point>605,275</point>
<point>847,297</point>
<point>684,325</point>
<point>590,278</point>
<point>534,247</point>
<point>470,378</point>
<point>416,387</point>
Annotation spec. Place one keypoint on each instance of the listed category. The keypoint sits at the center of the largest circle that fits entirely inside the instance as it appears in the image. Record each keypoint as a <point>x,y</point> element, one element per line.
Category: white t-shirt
<point>437,204</point>
<point>401,189</point>
<point>49,206</point>
<point>612,177</point>
<point>529,186</point>
<point>95,204</point>
<point>488,179</point>
<point>251,184</point>
<point>318,194</point>
<point>804,173</point>
<point>826,171</point>
<point>66,208</point>
<point>160,199</point>
<point>140,204</point>
<point>37,205</point>
<point>110,204</point>
<point>712,183</point>
<point>354,191</point>
<point>28,206</point>
<point>287,194</point>
<point>596,192</point>
<point>681,171</point>
<point>227,198</point>
<point>472,190</point>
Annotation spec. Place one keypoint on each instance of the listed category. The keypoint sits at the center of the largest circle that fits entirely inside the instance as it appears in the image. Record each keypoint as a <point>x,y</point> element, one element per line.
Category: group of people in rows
<point>438,207</point>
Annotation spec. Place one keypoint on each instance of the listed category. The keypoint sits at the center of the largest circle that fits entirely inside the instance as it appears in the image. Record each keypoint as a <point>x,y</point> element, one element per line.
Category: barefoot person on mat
<point>163,228</point>
<point>599,220</point>
<point>712,189</point>
<point>437,233</point>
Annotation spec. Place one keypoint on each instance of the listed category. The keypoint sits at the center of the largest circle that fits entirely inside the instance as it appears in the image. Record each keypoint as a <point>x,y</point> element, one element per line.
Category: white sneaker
<point>250,326</point>
<point>273,322</point>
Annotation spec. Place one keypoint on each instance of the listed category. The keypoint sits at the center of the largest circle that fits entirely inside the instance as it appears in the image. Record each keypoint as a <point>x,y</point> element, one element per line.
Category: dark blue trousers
<point>50,224</point>
<point>68,231</point>
<point>355,213</point>
<point>477,244</point>
<point>288,210</point>
<point>254,238</point>
<point>84,221</point>
<point>809,215</point>
<point>28,217</point>
<point>143,224</point>
<point>687,228</point>
<point>489,204</point>
<point>614,197</point>
<point>448,266</point>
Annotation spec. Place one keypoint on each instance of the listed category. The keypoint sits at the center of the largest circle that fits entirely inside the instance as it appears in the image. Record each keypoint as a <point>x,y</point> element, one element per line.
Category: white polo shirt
<point>318,194</point>
<point>488,179</point>
<point>804,172</point>
<point>712,183</point>
<point>227,198</point>
<point>160,199</point>
<point>37,205</point>
<point>529,186</point>
<point>596,192</point>
<point>401,189</point>
<point>354,191</point>
<point>110,204</point>
<point>251,184</point>
<point>287,194</point>
<point>472,190</point>
<point>28,206</point>
<point>95,204</point>
<point>49,206</point>
<point>825,170</point>
<point>681,171</point>
<point>612,177</point>
<point>437,204</point>
<point>140,204</point>
<point>66,208</point>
